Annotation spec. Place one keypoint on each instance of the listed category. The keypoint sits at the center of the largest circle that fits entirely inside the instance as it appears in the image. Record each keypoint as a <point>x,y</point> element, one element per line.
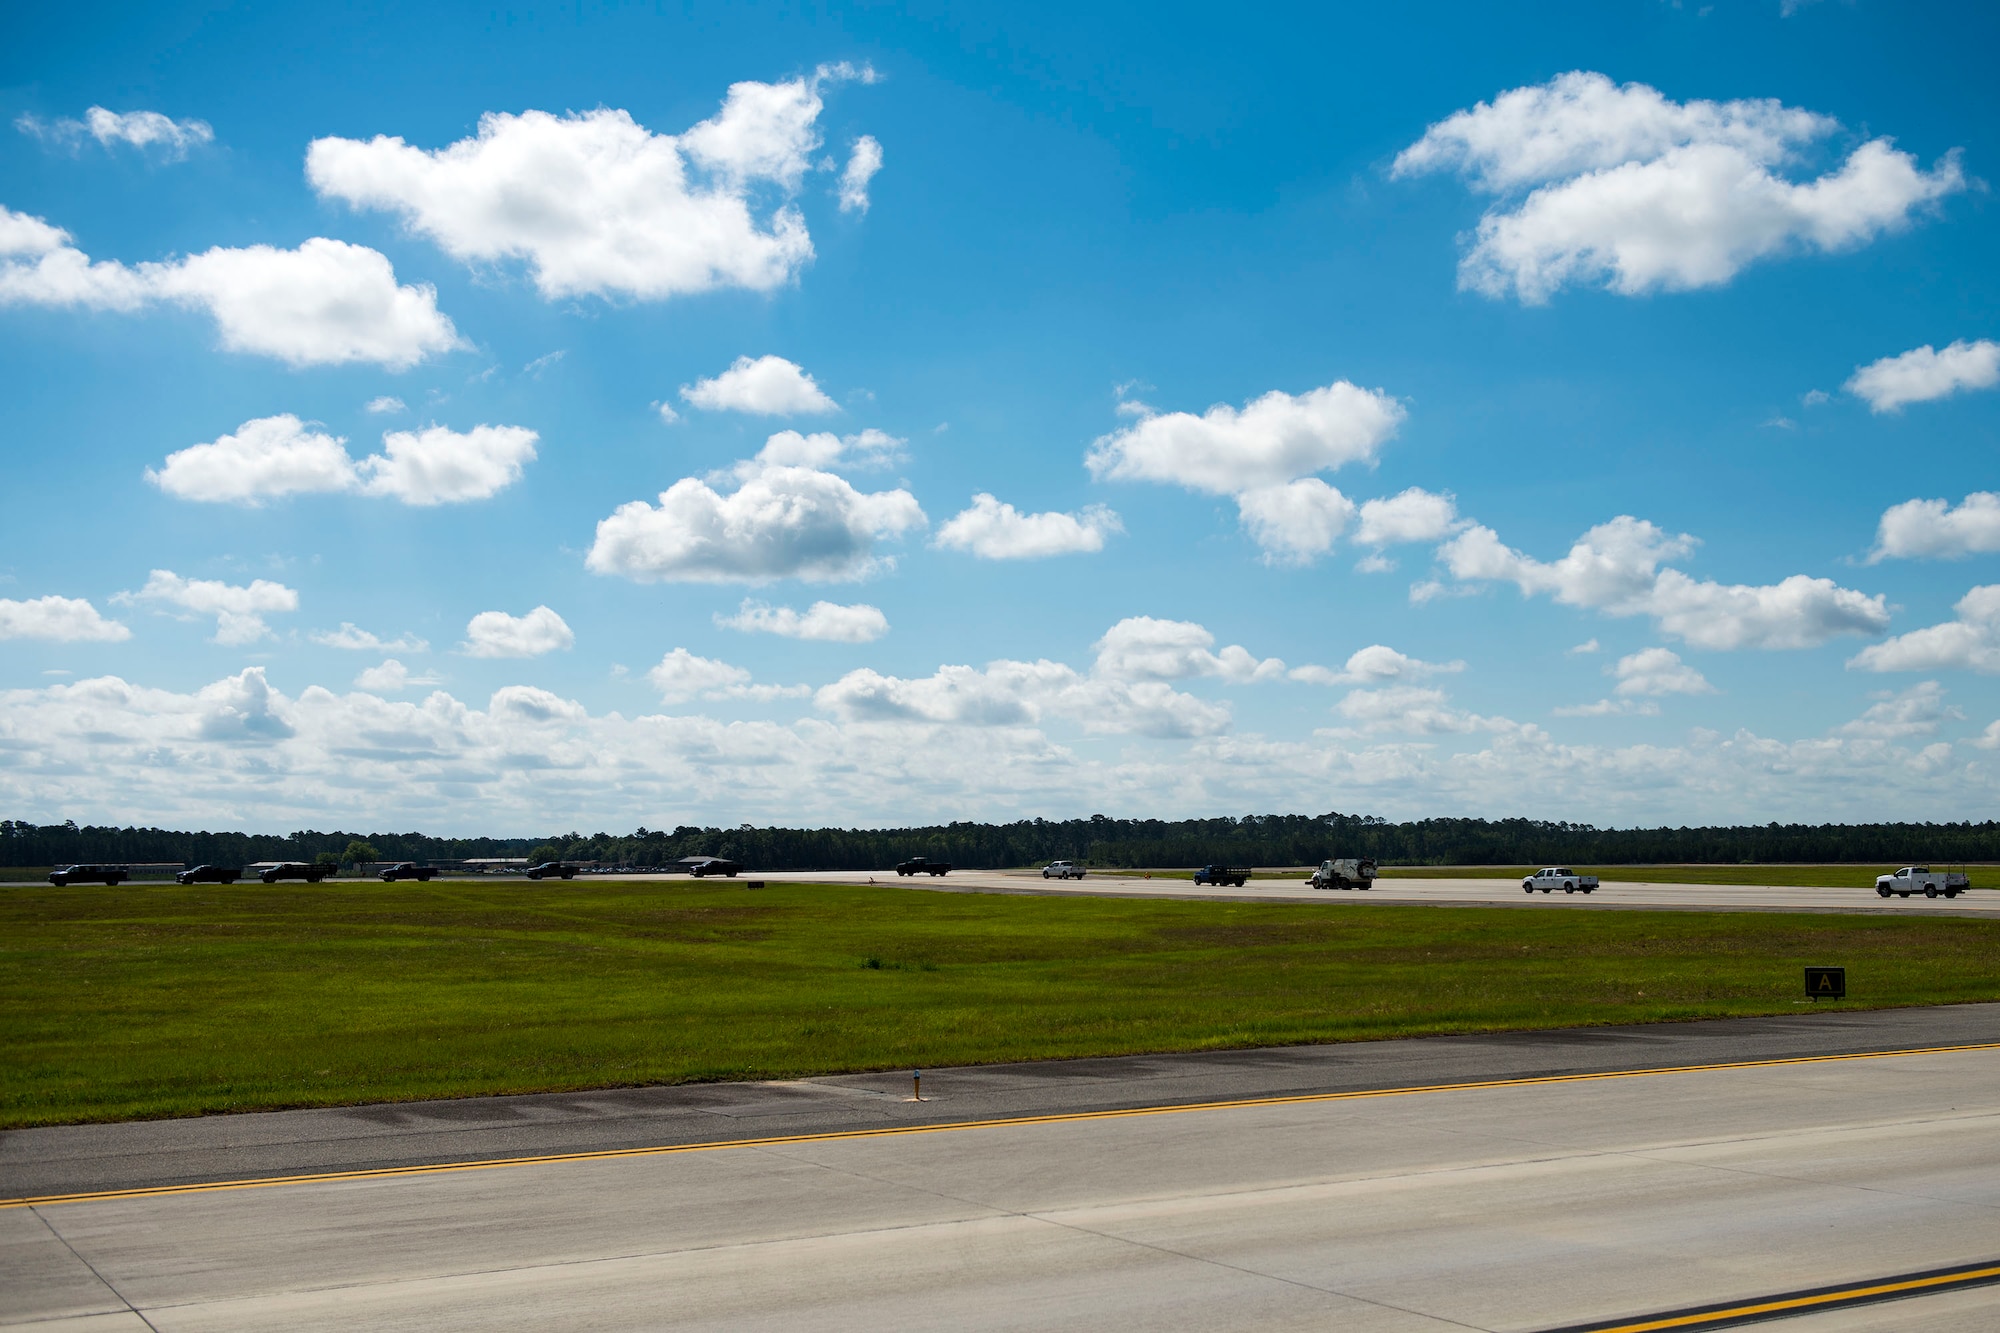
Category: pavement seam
<point>92,1269</point>
<point>1046,1219</point>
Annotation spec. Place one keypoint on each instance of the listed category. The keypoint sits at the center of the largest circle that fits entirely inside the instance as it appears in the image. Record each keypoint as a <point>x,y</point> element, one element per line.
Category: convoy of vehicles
<point>923,865</point>
<point>1348,872</point>
<point>405,870</point>
<point>1234,876</point>
<point>311,874</point>
<point>1559,877</point>
<point>1062,870</point>
<point>108,875</point>
<point>552,868</point>
<point>1924,880</point>
<point>206,874</point>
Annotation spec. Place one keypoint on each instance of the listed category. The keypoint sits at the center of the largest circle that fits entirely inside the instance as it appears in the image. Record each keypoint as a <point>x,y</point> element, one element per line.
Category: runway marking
<point>1799,1302</point>
<point>885,1131</point>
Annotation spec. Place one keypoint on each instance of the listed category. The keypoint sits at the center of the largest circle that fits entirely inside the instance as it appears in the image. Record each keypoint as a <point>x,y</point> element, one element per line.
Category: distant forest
<point>1254,840</point>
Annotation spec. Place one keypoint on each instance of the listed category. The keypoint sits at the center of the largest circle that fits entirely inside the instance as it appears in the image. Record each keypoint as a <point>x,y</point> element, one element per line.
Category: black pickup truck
<point>1235,876</point>
<point>923,865</point>
<point>209,875</point>
<point>311,874</point>
<point>64,875</point>
<point>405,870</point>
<point>548,868</point>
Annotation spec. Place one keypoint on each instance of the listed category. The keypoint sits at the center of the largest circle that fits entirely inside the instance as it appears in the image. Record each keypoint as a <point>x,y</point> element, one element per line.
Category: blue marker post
<point>917,1084</point>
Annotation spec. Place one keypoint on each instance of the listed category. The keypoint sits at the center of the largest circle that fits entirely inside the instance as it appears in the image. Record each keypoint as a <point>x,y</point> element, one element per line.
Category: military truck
<point>1348,872</point>
<point>923,865</point>
<point>1234,876</point>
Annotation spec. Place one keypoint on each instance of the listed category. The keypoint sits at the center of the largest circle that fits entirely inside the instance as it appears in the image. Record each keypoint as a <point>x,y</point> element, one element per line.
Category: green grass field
<point>156,1001</point>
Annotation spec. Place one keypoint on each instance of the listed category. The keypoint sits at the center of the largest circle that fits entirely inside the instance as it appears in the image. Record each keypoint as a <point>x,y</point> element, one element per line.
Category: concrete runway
<point>1508,1206</point>
<point>1436,893</point>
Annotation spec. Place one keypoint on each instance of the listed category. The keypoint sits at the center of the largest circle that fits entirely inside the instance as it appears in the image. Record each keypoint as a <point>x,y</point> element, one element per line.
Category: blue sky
<point>1402,410</point>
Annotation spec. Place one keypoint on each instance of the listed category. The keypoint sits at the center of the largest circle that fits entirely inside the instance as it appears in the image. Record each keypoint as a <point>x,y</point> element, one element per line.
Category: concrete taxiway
<point>1351,1187</point>
<point>1438,893</point>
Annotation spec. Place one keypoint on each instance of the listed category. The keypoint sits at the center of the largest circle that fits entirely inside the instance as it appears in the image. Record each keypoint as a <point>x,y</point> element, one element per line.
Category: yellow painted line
<point>1064,1117</point>
<point>1791,1304</point>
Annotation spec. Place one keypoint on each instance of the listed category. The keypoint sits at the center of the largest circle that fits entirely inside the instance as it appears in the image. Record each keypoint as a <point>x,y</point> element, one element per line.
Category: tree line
<point>1255,840</point>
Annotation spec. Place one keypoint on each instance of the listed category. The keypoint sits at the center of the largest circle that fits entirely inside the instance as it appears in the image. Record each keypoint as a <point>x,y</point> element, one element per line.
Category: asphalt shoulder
<point>150,1154</point>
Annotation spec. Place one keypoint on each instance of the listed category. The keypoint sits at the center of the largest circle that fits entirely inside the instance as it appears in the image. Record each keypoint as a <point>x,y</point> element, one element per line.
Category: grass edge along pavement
<point>162,1000</point>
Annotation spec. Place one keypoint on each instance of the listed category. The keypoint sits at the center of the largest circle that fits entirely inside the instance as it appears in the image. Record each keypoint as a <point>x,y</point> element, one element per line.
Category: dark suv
<point>209,875</point>
<point>405,870</point>
<point>73,874</point>
<point>294,870</point>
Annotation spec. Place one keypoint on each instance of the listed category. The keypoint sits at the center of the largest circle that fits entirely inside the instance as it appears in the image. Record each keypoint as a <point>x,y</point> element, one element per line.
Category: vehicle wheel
<point>1951,893</point>
<point>1930,893</point>
<point>1569,888</point>
<point>533,875</point>
<point>570,875</point>
<point>268,879</point>
<point>1590,890</point>
<point>1883,892</point>
<point>1527,888</point>
<point>1904,894</point>
<point>698,872</point>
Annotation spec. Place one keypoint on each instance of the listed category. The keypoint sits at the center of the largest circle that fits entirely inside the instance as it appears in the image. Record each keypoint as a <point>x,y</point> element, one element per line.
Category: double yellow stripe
<point>1067,1117</point>
<point>1817,1300</point>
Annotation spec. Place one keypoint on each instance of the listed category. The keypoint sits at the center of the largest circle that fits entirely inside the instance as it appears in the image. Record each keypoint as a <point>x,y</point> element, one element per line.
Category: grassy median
<point>155,1001</point>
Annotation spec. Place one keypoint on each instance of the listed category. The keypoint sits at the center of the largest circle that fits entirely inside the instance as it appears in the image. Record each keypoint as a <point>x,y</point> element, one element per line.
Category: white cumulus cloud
<point>992,530</point>
<point>862,164</point>
<point>681,676</point>
<point>384,405</point>
<point>390,677</point>
<point>239,611</point>
<point>438,465</point>
<point>767,386</point>
<point>1296,521</point>
<point>60,619</point>
<point>1272,440</point>
<point>1140,648</point>
<point>273,457</point>
<point>356,640</point>
<point>824,622</point>
<point>1971,642</point>
<point>325,303</point>
<point>266,459</point>
<point>596,204</point>
<point>497,634</point>
<point>1620,186</point>
<point>1020,695</point>
<point>780,522</point>
<point>1377,664</point>
<point>1924,373</point>
<point>1617,568</point>
<point>1414,515</point>
<point>1655,672</point>
<point>152,131</point>
<point>1939,530</point>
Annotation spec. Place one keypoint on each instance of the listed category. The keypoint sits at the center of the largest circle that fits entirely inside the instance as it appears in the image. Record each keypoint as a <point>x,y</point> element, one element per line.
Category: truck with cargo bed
<point>109,875</point>
<point>1234,876</point>
<point>1924,880</point>
<point>1551,878</point>
<point>923,865</point>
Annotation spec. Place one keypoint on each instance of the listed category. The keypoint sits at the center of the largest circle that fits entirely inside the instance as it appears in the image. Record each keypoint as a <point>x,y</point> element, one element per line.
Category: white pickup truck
<point>1924,880</point>
<point>1559,877</point>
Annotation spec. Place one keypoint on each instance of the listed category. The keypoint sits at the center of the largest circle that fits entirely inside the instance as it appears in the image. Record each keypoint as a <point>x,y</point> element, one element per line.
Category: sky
<point>503,418</point>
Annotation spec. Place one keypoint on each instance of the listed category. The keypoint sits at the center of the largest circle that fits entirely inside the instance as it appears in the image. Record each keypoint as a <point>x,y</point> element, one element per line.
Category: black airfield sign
<point>1826,983</point>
